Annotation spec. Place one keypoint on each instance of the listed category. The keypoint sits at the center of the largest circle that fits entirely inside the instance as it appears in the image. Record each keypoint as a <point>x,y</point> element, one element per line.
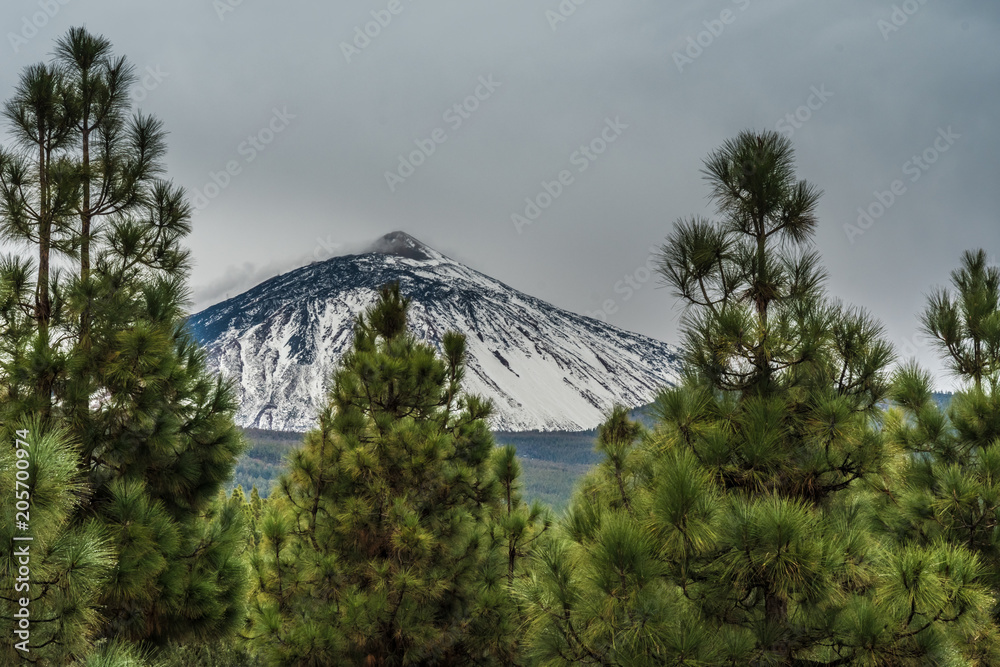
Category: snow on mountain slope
<point>544,368</point>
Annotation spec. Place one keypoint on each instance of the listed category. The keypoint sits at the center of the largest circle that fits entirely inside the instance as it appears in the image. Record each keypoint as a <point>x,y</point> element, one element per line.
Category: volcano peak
<point>401,244</point>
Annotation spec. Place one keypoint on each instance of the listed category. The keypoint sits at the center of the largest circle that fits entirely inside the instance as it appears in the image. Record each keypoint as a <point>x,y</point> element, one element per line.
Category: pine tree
<point>37,191</point>
<point>102,352</point>
<point>949,485</point>
<point>377,546</point>
<point>117,653</point>
<point>61,570</point>
<point>966,327</point>
<point>513,532</point>
<point>110,171</point>
<point>738,530</point>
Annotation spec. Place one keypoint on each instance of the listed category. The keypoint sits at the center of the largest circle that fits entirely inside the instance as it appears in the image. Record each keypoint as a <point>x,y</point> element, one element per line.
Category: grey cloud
<point>324,176</point>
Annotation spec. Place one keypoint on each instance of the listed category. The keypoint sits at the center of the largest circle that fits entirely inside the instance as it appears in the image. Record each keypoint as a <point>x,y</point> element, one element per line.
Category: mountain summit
<point>402,244</point>
<point>543,367</point>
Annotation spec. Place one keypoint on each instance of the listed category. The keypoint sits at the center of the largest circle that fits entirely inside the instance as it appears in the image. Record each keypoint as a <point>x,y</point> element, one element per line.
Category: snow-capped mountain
<point>544,368</point>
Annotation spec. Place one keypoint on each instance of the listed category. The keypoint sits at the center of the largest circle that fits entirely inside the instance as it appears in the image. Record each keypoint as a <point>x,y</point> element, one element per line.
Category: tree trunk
<point>43,303</point>
<point>776,613</point>
<point>43,306</point>
<point>85,213</point>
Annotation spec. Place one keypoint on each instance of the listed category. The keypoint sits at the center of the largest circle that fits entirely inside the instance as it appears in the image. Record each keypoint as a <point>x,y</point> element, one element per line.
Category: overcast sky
<point>309,105</point>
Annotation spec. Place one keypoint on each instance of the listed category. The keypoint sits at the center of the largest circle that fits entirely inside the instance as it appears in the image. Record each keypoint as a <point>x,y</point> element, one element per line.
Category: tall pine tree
<point>948,487</point>
<point>738,531</point>
<point>101,353</point>
<point>380,545</point>
<point>965,327</point>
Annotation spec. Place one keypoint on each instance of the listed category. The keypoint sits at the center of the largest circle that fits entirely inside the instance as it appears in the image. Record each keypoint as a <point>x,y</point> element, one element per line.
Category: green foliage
<point>264,460</point>
<point>965,327</point>
<point>681,570</point>
<point>746,527</point>
<point>66,565</point>
<point>97,352</point>
<point>116,653</point>
<point>551,462</point>
<point>396,534</point>
<point>219,653</point>
<point>947,490</point>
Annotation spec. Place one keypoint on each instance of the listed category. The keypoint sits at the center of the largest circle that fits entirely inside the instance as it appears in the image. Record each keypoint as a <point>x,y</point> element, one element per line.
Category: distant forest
<point>551,462</point>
